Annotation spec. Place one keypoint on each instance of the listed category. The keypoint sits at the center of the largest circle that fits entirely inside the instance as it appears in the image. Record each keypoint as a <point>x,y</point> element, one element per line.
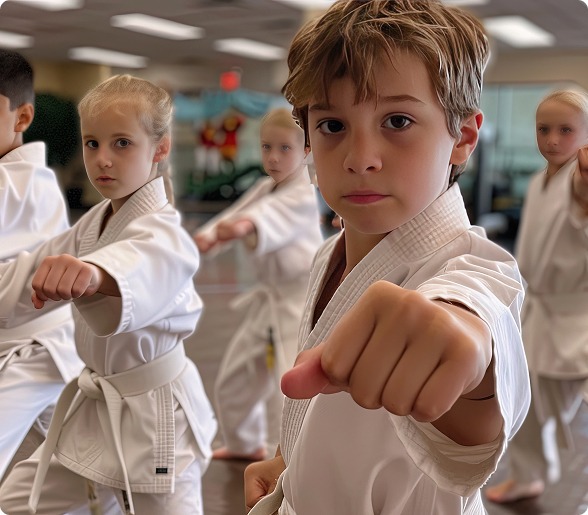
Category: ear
<point>306,150</point>
<point>24,117</point>
<point>162,150</point>
<point>465,145</point>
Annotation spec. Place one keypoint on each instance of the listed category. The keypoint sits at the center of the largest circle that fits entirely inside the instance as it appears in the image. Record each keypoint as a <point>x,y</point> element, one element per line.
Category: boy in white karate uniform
<point>552,251</point>
<point>136,425</point>
<point>36,358</point>
<point>412,375</point>
<point>278,221</point>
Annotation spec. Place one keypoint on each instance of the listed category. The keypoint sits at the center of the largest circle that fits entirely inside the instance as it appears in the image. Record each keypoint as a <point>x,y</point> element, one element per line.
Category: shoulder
<point>33,153</point>
<point>162,227</point>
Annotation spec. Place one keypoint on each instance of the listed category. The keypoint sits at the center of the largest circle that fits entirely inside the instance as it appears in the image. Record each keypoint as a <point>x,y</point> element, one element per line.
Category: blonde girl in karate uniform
<point>277,220</point>
<point>136,424</point>
<point>552,252</point>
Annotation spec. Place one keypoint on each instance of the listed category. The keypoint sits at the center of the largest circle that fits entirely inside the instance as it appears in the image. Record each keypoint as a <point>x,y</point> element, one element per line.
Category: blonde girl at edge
<point>136,424</point>
<point>552,252</point>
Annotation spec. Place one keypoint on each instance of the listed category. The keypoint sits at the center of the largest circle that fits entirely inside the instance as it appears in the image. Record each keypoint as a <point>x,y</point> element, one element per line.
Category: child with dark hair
<point>37,358</point>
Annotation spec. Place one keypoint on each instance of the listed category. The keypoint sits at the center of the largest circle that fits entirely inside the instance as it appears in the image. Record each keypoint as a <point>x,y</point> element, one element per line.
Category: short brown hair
<point>352,35</point>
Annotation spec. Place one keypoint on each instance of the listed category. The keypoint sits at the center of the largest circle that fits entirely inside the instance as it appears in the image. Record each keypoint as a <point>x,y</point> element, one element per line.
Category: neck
<point>358,246</point>
<point>290,177</point>
<point>552,169</point>
<point>18,142</point>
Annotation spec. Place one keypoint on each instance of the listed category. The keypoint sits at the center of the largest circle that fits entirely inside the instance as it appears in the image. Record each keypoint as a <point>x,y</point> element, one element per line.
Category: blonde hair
<point>282,117</point>
<point>153,105</point>
<point>576,99</point>
<point>351,37</point>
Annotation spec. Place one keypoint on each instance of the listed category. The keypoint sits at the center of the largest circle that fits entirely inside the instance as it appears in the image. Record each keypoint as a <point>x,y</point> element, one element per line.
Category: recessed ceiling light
<point>14,40</point>
<point>156,26</point>
<point>250,48</point>
<point>52,5</point>
<point>308,4</point>
<point>518,31</point>
<point>108,57</point>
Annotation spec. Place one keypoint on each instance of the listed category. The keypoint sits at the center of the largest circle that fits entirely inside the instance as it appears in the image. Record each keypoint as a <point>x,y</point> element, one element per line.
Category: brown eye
<point>331,126</point>
<point>397,122</point>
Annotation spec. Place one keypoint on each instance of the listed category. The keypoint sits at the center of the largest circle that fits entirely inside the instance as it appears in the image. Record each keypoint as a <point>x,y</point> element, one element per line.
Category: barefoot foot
<point>224,453</point>
<point>510,491</point>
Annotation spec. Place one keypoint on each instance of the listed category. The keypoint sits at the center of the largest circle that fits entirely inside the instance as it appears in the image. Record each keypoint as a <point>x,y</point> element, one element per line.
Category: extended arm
<point>436,353</point>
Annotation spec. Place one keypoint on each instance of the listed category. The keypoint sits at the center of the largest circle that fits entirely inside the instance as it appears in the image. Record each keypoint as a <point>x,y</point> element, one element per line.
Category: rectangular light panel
<point>108,57</point>
<point>156,26</point>
<point>518,31</point>
<point>250,48</point>
<point>52,5</point>
<point>14,40</point>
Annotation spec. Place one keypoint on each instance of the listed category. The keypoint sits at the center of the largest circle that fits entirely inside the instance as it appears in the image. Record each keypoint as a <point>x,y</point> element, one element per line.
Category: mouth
<point>364,197</point>
<point>104,179</point>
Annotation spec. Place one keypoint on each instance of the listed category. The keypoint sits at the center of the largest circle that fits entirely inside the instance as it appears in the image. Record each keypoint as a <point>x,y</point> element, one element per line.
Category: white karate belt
<point>112,390</point>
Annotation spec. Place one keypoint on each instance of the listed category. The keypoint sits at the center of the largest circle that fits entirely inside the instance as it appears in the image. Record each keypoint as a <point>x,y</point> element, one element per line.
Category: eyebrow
<point>117,135</point>
<point>381,99</point>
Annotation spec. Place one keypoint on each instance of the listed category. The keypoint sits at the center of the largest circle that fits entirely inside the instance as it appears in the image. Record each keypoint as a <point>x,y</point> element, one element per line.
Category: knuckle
<point>365,400</point>
<point>397,407</point>
<point>336,375</point>
<point>76,292</point>
<point>63,293</point>
<point>426,411</point>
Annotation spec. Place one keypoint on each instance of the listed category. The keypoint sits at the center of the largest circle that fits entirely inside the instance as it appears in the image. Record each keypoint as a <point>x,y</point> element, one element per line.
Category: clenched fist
<point>65,277</point>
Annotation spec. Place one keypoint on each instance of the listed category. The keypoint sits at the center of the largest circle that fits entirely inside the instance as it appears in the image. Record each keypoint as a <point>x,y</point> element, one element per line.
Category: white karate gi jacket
<point>153,260</point>
<point>32,210</point>
<point>345,460</point>
<point>552,252</point>
<point>287,221</point>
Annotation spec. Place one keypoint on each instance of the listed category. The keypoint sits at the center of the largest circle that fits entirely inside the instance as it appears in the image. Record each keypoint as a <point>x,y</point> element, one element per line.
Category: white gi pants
<point>534,450</point>
<point>30,384</point>
<point>64,491</point>
<point>248,398</point>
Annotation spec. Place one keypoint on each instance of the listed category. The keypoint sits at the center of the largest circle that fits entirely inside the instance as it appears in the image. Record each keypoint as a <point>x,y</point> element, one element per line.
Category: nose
<point>362,155</point>
<point>103,159</point>
<point>273,156</point>
<point>552,139</point>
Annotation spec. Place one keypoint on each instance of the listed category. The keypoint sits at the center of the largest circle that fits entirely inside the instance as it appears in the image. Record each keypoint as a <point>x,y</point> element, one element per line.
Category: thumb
<point>307,379</point>
<point>38,301</point>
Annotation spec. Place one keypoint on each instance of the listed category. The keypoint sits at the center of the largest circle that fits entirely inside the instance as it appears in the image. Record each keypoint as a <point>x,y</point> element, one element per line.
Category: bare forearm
<point>108,286</point>
<point>475,417</point>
